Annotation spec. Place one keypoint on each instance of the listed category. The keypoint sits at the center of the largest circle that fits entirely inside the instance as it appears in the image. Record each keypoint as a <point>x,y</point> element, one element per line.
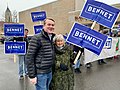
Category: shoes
<point>21,77</point>
<point>77,70</point>
<point>80,64</point>
<point>101,62</point>
<point>88,65</point>
<point>115,57</point>
<point>26,75</point>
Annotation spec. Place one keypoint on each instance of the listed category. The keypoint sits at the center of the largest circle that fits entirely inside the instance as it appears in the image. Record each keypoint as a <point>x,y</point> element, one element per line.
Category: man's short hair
<point>26,30</point>
<point>48,19</point>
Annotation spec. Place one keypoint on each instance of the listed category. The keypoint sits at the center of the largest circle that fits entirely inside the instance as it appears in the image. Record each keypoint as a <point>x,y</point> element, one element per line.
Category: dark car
<point>29,37</point>
<point>2,39</point>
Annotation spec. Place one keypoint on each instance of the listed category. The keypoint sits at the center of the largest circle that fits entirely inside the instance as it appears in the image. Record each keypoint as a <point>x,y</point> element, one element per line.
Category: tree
<point>15,16</point>
<point>2,17</point>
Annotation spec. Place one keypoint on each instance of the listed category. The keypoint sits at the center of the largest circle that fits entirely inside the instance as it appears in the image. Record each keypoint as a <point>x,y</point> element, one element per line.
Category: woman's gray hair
<point>58,37</point>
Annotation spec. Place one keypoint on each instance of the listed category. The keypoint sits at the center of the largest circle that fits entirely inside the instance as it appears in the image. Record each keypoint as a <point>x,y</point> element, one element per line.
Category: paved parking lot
<point>99,77</point>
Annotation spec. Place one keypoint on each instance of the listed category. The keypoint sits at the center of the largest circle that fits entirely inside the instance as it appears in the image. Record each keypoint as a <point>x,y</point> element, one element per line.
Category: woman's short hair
<point>58,37</point>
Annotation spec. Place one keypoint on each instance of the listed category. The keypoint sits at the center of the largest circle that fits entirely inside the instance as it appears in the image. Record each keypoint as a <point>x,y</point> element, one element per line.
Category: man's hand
<point>33,80</point>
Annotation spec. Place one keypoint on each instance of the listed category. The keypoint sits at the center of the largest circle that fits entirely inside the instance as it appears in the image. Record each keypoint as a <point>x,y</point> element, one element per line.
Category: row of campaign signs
<point>79,35</point>
<point>12,30</point>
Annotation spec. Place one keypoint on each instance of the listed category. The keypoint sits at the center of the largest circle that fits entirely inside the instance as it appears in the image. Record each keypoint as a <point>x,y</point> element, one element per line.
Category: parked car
<point>2,39</point>
<point>29,37</point>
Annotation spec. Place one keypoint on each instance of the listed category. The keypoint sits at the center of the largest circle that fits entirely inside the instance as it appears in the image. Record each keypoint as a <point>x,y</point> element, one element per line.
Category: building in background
<point>64,12</point>
<point>8,19</point>
<point>58,10</point>
<point>8,15</point>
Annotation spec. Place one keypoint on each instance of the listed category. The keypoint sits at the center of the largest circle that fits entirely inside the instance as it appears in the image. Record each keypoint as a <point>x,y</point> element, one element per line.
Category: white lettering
<point>81,34</point>
<point>100,11</point>
<point>109,16</point>
<point>37,16</point>
<point>8,47</point>
<point>15,47</point>
<point>77,33</point>
<point>105,14</point>
<point>93,40</point>
<point>90,8</point>
<point>93,9</point>
<point>14,30</point>
<point>97,42</point>
<point>87,37</point>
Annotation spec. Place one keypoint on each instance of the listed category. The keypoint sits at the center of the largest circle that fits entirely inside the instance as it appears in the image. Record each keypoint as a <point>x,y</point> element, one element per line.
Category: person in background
<point>78,64</point>
<point>21,57</point>
<point>88,65</point>
<point>63,77</point>
<point>101,61</point>
<point>40,56</point>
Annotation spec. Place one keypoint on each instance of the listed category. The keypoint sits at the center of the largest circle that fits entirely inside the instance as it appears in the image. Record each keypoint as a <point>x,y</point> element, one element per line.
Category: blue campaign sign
<point>102,13</point>
<point>15,48</point>
<point>37,29</point>
<point>14,29</point>
<point>85,37</point>
<point>38,16</point>
<point>108,43</point>
<point>65,37</point>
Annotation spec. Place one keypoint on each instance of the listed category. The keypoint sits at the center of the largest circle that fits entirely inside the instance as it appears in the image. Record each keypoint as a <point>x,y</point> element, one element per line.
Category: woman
<point>63,77</point>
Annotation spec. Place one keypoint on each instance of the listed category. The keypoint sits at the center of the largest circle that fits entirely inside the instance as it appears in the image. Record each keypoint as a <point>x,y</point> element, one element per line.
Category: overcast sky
<point>20,5</point>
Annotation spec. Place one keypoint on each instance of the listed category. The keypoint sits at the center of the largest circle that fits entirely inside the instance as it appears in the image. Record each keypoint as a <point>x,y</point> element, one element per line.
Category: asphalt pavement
<point>98,77</point>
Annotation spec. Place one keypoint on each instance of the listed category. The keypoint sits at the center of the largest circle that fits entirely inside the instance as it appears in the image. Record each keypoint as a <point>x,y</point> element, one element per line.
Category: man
<point>101,61</point>
<point>21,57</point>
<point>40,56</point>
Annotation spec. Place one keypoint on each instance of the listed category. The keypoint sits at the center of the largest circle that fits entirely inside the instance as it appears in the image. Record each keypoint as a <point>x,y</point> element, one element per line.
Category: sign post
<point>15,57</point>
